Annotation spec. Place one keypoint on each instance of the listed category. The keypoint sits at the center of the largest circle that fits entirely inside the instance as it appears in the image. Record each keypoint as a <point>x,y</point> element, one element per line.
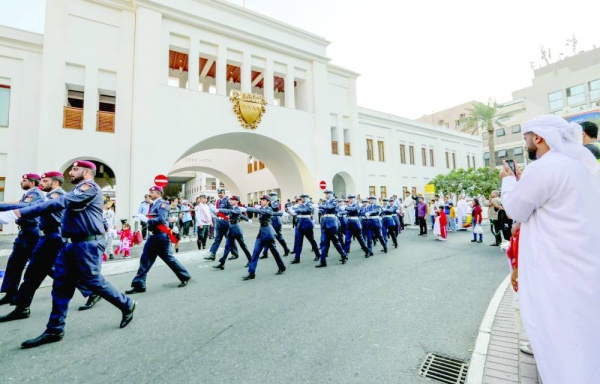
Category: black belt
<point>265,224</point>
<point>233,221</point>
<point>81,239</point>
<point>50,231</point>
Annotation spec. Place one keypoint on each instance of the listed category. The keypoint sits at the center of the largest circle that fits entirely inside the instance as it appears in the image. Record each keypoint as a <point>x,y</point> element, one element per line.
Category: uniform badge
<point>54,195</point>
<point>85,187</point>
<point>28,199</point>
<point>163,206</point>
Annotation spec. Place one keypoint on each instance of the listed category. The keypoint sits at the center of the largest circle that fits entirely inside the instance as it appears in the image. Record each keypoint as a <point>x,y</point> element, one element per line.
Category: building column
<point>221,75</point>
<point>246,73</point>
<point>90,99</point>
<point>194,64</point>
<point>268,82</point>
<point>289,87</point>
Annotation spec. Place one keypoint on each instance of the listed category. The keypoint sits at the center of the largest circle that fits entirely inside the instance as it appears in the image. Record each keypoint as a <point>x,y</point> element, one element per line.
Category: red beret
<point>156,188</point>
<point>265,197</point>
<point>234,197</point>
<point>32,176</point>
<point>85,164</point>
<point>52,174</point>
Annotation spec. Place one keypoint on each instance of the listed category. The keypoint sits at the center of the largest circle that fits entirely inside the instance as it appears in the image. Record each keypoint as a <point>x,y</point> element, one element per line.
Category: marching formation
<point>63,235</point>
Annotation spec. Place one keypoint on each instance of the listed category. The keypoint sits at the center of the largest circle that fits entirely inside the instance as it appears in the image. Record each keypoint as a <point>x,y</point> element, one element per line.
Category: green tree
<point>472,182</point>
<point>487,117</point>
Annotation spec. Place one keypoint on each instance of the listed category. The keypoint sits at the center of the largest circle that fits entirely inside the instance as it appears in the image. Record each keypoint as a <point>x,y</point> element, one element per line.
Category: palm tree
<point>487,117</point>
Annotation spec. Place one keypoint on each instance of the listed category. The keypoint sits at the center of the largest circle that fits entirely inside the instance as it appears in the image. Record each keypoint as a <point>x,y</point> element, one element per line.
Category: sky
<point>418,57</point>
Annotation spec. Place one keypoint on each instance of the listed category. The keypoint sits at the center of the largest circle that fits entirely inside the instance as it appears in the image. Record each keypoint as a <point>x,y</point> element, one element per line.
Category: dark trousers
<point>299,236</point>
<point>416,216</point>
<point>280,240</point>
<point>231,240</point>
<point>158,245</point>
<point>21,253</point>
<point>186,228</point>
<point>354,229</point>
<point>202,236</point>
<point>496,230</point>
<point>422,226</point>
<point>330,235</point>
<point>221,229</point>
<point>80,263</point>
<point>374,232</point>
<point>259,245</point>
<point>144,230</point>
<point>391,229</point>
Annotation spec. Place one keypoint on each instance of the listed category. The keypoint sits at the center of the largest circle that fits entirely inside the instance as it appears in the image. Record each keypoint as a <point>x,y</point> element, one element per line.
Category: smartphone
<point>511,165</point>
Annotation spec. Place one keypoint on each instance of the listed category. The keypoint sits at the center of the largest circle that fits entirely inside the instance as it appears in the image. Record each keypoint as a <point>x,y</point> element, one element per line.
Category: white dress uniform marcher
<point>559,254</point>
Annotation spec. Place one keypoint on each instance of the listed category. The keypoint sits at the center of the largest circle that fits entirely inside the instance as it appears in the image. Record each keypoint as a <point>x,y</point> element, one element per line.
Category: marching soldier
<point>79,260</point>
<point>235,232</point>
<point>329,229</point>
<point>276,221</point>
<point>363,220</point>
<point>354,228</point>
<point>304,228</point>
<point>374,225</point>
<point>342,218</point>
<point>221,227</point>
<point>265,238</point>
<point>26,240</point>
<point>388,225</point>
<point>158,243</point>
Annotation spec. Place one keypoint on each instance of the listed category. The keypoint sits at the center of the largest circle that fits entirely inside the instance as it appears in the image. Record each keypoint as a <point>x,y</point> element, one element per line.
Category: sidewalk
<point>496,358</point>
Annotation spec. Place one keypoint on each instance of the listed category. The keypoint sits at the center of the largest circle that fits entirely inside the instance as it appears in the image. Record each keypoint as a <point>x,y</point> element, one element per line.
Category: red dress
<point>443,224</point>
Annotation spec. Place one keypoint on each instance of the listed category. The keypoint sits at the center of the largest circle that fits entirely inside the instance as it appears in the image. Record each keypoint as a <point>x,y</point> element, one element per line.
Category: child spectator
<point>126,241</point>
<point>452,217</point>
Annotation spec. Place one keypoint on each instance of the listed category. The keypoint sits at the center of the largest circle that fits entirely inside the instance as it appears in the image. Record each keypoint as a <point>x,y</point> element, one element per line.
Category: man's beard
<point>76,180</point>
<point>532,154</point>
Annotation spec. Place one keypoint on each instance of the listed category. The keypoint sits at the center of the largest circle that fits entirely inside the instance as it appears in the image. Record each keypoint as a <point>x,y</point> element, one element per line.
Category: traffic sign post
<point>161,180</point>
<point>323,185</point>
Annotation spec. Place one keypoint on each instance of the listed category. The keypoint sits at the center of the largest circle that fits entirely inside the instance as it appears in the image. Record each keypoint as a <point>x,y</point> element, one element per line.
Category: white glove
<point>243,209</point>
<point>7,217</point>
<point>217,210</point>
<point>142,218</point>
<point>250,221</point>
<point>314,205</point>
<point>291,211</point>
<point>342,208</point>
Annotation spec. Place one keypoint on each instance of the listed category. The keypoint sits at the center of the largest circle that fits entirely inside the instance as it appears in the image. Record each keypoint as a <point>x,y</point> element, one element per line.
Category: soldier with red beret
<point>26,240</point>
<point>79,259</point>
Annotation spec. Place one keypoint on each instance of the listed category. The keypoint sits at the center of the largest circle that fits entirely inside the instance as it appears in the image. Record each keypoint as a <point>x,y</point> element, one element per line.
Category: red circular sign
<point>161,180</point>
<point>323,185</point>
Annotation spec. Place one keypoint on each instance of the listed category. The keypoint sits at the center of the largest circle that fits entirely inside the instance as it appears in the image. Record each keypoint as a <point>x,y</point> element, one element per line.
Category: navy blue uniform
<point>374,227</point>
<point>363,220</point>
<point>329,230</point>
<point>80,258</point>
<point>342,218</point>
<point>354,229</point>
<point>158,244</point>
<point>265,238</point>
<point>276,223</point>
<point>24,244</point>
<point>304,228</point>
<point>235,232</point>
<point>221,229</point>
<point>389,226</point>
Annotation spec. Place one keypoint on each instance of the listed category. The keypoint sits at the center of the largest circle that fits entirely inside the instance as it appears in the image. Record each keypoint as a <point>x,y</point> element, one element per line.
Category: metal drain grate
<point>444,369</point>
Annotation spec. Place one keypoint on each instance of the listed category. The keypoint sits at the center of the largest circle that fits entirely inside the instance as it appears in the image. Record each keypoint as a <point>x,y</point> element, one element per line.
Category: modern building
<point>145,88</point>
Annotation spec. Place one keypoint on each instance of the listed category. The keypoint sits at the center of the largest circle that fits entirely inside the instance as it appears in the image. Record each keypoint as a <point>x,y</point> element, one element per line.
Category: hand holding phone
<point>511,165</point>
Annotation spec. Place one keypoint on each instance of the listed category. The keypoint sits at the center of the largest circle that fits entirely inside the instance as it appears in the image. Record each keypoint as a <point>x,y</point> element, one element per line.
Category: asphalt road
<point>369,321</point>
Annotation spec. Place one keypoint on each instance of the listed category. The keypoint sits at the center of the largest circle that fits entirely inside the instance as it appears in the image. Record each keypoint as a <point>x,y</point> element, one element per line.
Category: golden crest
<point>249,108</point>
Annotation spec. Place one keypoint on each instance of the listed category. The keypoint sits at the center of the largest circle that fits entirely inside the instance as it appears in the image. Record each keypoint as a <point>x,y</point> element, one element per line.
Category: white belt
<point>329,215</point>
<point>304,216</point>
<point>373,218</point>
<point>354,218</point>
<point>388,215</point>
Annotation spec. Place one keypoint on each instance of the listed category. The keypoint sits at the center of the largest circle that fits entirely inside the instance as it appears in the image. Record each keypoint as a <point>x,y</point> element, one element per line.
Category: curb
<point>479,356</point>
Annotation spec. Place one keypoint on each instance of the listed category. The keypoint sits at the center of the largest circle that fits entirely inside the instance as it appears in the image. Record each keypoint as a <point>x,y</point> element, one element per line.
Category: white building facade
<point>143,88</point>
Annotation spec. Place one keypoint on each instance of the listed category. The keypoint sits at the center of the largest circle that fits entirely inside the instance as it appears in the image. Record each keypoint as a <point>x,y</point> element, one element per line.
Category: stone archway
<point>343,184</point>
<point>105,176</point>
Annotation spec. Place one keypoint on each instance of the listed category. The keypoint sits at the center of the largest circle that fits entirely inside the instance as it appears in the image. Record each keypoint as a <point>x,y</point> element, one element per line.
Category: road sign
<point>323,185</point>
<point>161,180</point>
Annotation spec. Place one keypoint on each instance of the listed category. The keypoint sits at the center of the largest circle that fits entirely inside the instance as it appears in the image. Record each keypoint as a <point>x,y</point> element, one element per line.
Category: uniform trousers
<point>232,237</point>
<point>374,232</point>
<point>330,235</point>
<point>221,230</point>
<point>21,253</point>
<point>279,238</point>
<point>389,227</point>
<point>158,245</point>
<point>354,229</point>
<point>80,263</point>
<point>301,232</point>
<point>260,244</point>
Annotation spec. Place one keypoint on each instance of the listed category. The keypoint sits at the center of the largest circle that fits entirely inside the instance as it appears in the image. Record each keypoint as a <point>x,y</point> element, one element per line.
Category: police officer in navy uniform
<point>304,228</point>
<point>364,207</point>
<point>343,219</point>
<point>265,238</point>
<point>45,252</point>
<point>26,240</point>
<point>276,222</point>
<point>235,232</point>
<point>157,244</point>
<point>354,227</point>
<point>329,229</point>
<point>221,227</point>
<point>374,225</point>
<point>80,258</point>
<point>388,225</point>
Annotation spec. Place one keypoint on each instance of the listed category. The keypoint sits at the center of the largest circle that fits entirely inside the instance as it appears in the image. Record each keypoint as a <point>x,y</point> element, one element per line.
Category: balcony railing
<point>334,147</point>
<point>105,122</point>
<point>73,118</point>
<point>347,149</point>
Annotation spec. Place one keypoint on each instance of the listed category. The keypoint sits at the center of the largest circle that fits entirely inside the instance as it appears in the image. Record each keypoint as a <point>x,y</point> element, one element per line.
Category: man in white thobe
<point>409,209</point>
<point>462,210</point>
<point>559,259</point>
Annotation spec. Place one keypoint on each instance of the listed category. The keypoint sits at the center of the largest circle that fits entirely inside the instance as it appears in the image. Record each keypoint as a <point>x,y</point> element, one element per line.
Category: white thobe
<point>409,212</point>
<point>462,210</point>
<point>559,265</point>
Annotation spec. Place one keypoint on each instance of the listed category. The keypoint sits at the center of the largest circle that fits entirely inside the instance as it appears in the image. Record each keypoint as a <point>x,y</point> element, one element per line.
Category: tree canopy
<point>471,182</point>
